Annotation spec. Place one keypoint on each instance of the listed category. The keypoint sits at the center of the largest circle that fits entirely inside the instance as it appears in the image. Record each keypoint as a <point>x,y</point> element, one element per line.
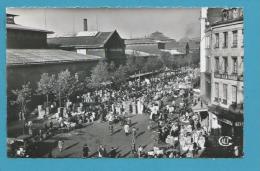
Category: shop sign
<point>225,141</point>
<point>238,124</point>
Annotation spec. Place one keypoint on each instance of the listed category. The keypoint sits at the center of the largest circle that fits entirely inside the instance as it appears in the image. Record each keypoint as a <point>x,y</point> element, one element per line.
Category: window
<point>216,40</point>
<point>208,67</point>
<point>225,43</point>
<point>225,93</point>
<point>225,62</point>
<point>234,94</point>
<point>216,64</point>
<point>234,38</point>
<point>234,65</point>
<point>216,92</point>
<point>207,42</point>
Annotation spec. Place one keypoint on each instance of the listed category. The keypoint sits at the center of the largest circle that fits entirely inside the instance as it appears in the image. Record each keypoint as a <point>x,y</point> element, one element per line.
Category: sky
<point>175,23</point>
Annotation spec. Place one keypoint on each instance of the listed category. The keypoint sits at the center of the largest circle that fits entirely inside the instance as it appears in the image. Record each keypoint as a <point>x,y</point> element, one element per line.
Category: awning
<point>226,114</point>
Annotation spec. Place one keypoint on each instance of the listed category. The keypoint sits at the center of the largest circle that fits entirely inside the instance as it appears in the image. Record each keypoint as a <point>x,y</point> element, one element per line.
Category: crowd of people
<point>165,98</point>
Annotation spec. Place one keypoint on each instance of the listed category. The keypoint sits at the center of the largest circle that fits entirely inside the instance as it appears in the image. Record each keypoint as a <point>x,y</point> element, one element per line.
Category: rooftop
<point>224,16</point>
<point>25,28</point>
<point>147,48</point>
<point>42,56</point>
<point>13,15</point>
<point>138,53</point>
<point>139,41</point>
<point>97,40</point>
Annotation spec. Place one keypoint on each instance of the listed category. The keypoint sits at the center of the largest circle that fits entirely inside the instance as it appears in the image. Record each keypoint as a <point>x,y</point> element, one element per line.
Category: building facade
<point>222,70</point>
<point>19,36</point>
<point>108,45</point>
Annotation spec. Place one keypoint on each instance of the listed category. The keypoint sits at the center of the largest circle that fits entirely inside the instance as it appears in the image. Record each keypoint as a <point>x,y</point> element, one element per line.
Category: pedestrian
<point>85,151</point>
<point>134,132</point>
<point>101,151</point>
<point>60,145</point>
<point>126,129</point>
<point>140,151</point>
<point>236,151</point>
<point>195,149</point>
<point>50,154</point>
<point>112,152</point>
<point>51,125</point>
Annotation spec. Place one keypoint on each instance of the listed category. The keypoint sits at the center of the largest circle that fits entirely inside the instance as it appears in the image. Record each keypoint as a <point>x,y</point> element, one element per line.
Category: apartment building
<point>222,83</point>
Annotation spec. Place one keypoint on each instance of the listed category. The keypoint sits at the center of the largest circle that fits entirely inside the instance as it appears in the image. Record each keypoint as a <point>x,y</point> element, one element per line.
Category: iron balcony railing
<point>226,76</point>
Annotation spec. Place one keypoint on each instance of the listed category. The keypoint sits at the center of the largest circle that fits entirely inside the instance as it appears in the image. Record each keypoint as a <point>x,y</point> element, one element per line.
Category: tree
<point>65,86</point>
<point>100,74</point>
<point>131,66</point>
<point>139,63</point>
<point>23,97</point>
<point>119,75</point>
<point>112,67</point>
<point>152,64</point>
<point>169,61</point>
<point>46,85</point>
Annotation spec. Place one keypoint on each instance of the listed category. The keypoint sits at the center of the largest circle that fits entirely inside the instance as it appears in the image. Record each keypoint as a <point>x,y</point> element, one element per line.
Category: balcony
<point>234,45</point>
<point>227,76</point>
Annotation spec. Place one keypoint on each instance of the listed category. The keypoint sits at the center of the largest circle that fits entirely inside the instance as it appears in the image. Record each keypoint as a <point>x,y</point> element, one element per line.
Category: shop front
<point>227,123</point>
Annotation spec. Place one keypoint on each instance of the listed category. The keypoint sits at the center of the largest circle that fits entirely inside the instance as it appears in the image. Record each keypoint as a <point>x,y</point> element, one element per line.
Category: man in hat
<point>85,151</point>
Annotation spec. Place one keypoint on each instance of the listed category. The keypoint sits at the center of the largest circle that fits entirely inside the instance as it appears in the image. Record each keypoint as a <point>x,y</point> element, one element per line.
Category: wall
<point>19,75</point>
<point>115,49</point>
<point>17,39</point>
<point>228,52</point>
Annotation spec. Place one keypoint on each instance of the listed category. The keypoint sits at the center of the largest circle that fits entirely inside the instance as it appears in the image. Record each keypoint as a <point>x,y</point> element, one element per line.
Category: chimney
<point>85,24</point>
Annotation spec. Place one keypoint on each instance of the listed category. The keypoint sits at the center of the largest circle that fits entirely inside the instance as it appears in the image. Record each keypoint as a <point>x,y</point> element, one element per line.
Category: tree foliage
<point>130,66</point>
<point>152,64</point>
<point>119,75</point>
<point>23,97</point>
<point>46,85</point>
<point>65,86</point>
<point>100,74</point>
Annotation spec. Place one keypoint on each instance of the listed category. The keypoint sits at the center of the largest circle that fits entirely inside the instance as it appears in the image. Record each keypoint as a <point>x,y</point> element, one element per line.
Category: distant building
<point>24,37</point>
<point>160,37</point>
<point>144,45</point>
<point>27,57</point>
<point>162,46</point>
<point>222,70</point>
<point>108,45</point>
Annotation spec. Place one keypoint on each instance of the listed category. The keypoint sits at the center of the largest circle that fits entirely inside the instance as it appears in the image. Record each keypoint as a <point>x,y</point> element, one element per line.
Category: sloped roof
<point>97,41</point>
<point>150,48</point>
<point>138,53</point>
<point>139,41</point>
<point>20,27</point>
<point>8,14</point>
<point>42,56</point>
<point>173,51</point>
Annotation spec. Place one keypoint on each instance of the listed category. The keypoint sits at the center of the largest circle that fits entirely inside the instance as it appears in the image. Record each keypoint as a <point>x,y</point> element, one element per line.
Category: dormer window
<point>10,19</point>
<point>225,15</point>
<point>231,14</point>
